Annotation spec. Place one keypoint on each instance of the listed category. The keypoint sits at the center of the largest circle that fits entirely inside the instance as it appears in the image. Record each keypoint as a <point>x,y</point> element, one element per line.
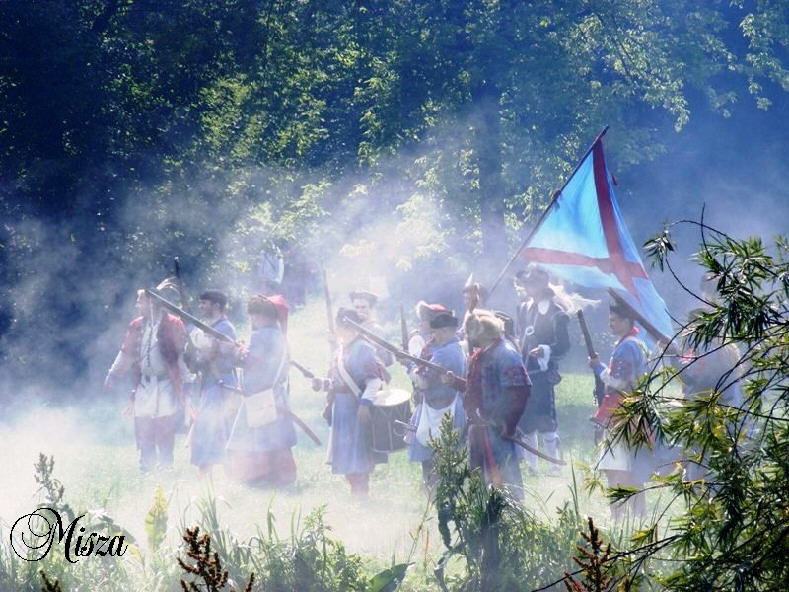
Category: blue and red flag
<point>583,239</point>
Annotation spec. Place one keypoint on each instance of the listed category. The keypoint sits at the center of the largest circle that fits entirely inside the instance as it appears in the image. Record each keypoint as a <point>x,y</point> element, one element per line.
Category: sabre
<point>296,419</point>
<point>406,426</point>
<point>522,444</point>
<point>185,316</point>
<point>534,451</point>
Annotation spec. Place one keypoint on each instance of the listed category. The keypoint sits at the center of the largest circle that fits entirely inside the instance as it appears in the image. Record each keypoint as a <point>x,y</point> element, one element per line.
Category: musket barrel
<point>394,349</point>
<point>185,316</point>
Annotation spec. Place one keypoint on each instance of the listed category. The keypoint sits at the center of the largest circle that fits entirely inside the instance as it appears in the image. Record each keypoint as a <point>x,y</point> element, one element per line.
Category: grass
<point>96,460</point>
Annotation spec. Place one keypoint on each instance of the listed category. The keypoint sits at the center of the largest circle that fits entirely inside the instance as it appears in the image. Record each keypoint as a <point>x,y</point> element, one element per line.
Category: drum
<point>390,407</point>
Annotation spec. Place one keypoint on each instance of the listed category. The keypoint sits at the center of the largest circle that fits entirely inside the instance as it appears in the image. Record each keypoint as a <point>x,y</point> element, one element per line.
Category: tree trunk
<point>491,186</point>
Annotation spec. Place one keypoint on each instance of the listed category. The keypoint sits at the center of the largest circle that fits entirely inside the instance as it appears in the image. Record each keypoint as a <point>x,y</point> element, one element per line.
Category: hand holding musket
<point>398,353</point>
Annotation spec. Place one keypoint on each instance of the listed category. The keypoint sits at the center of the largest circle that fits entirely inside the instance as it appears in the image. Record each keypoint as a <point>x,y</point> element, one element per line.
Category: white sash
<point>346,377</point>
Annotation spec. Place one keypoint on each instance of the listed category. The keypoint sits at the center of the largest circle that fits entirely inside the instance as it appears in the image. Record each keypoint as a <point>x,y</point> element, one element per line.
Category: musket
<point>183,299</point>
<point>403,329</point>
<point>599,387</point>
<point>397,352</point>
<point>296,419</point>
<point>179,284</point>
<point>304,371</point>
<point>185,316</point>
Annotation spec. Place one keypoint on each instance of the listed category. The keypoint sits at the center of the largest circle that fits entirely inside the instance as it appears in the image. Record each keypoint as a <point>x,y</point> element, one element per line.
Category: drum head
<point>391,397</point>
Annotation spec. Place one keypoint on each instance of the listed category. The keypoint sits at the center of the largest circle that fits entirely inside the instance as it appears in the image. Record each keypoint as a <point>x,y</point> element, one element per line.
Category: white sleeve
<point>545,358</point>
<point>371,390</point>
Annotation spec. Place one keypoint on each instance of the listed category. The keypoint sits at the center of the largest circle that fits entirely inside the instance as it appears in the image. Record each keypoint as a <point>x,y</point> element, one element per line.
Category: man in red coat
<point>151,353</point>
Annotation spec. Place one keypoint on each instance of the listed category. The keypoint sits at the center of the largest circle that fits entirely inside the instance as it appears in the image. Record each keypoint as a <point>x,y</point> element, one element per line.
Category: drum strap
<point>346,377</point>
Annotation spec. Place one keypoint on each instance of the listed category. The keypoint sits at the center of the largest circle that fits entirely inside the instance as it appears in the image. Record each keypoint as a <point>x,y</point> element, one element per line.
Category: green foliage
<point>727,526</point>
<point>502,544</point>
<point>87,574</point>
<point>156,520</point>
<point>174,122</point>
<point>308,559</point>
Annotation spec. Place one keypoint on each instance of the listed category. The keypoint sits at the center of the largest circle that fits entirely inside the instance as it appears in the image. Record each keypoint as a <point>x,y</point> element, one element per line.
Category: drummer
<point>435,398</point>
<point>354,380</point>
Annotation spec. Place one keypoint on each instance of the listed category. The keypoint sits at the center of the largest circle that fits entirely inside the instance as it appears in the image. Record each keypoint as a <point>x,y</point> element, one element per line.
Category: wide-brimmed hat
<point>443,320</point>
<point>428,311</point>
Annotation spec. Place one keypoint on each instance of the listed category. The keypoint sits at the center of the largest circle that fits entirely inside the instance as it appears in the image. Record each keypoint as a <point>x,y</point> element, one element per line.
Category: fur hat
<point>275,305</point>
<point>483,325</point>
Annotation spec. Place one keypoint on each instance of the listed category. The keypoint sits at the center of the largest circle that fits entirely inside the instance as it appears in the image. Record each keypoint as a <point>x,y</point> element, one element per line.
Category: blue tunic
<point>628,363</point>
<point>502,373</point>
<point>449,356</point>
<point>210,430</point>
<point>349,449</point>
<point>266,348</point>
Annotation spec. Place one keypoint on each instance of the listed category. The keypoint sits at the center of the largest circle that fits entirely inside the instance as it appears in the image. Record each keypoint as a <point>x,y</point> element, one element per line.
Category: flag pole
<point>542,217</point>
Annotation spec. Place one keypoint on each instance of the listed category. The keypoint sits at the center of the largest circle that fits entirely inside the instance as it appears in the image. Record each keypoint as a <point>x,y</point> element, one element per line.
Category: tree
<point>728,488</point>
<point>128,126</point>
